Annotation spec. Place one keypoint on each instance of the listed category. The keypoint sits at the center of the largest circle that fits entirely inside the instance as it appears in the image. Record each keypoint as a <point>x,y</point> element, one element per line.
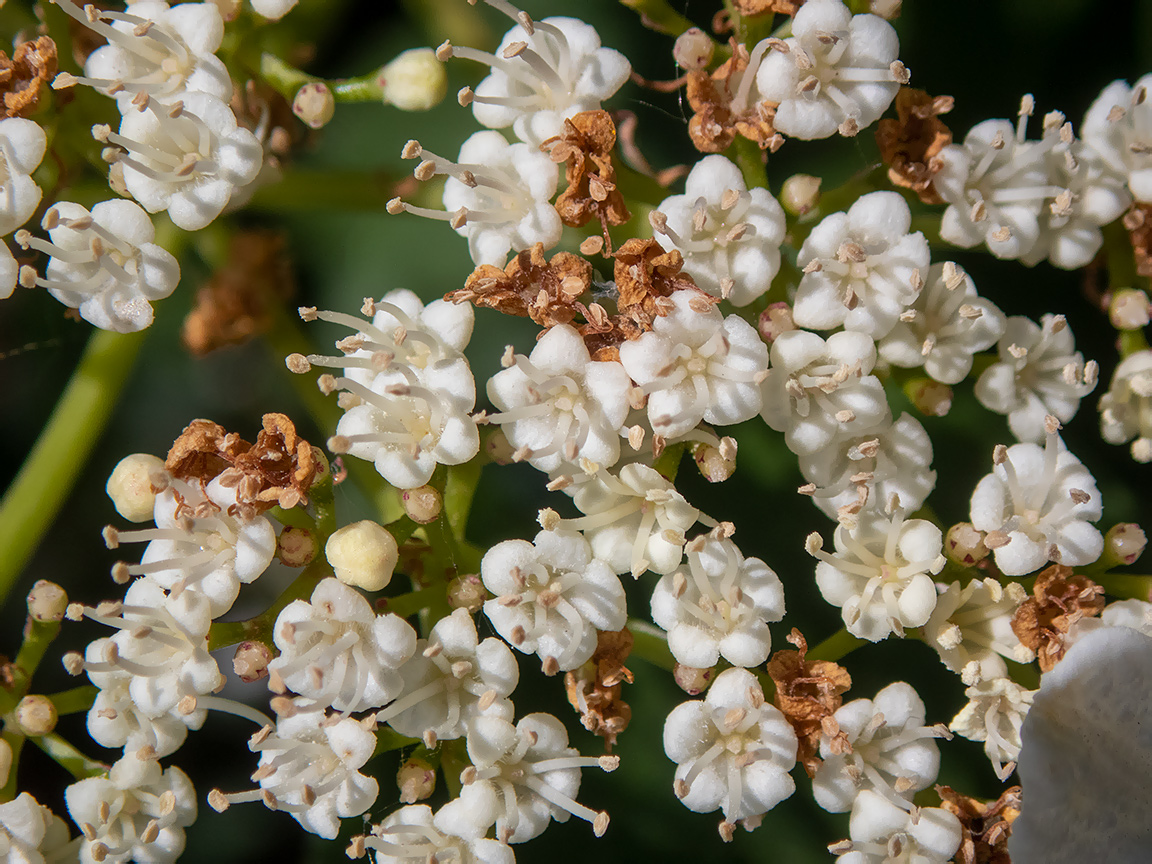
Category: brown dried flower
<point>238,301</point>
<point>985,826</point>
<point>808,693</point>
<point>1059,599</point>
<point>722,111</point>
<point>604,334</point>
<point>910,145</point>
<point>33,65</point>
<point>761,7</point>
<point>594,689</point>
<point>1138,221</point>
<point>530,286</point>
<point>645,276</point>
<point>203,450</point>
<point>277,470</point>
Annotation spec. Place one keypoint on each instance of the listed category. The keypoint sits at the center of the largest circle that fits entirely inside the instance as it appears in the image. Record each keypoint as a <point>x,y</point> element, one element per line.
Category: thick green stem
<point>838,645</point>
<point>750,159</point>
<point>1136,586</point>
<point>69,758</point>
<point>38,635</point>
<point>659,15</point>
<point>58,457</point>
<point>412,602</point>
<point>650,644</point>
<point>75,700</point>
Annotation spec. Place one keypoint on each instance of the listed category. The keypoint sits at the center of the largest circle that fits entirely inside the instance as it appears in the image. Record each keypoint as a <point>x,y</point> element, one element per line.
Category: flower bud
<point>467,592</point>
<point>132,486</point>
<point>36,716</point>
<point>887,9</point>
<point>314,104</point>
<point>363,555</point>
<point>775,321</point>
<point>423,504</point>
<point>47,601</point>
<point>250,663</point>
<point>1123,544</point>
<point>416,779</point>
<point>498,447</point>
<point>691,680</point>
<point>800,193</point>
<point>965,545</point>
<point>930,398</point>
<point>1129,309</point>
<point>716,464</point>
<point>693,49</point>
<point>296,547</point>
<point>414,81</point>
<point>5,761</point>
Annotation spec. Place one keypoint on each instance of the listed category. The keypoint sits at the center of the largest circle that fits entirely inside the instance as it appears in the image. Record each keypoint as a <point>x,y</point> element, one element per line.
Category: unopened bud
<point>693,49</point>
<point>467,592</point>
<point>775,321</point>
<point>414,81</point>
<point>130,486</point>
<point>1129,309</point>
<point>713,465</point>
<point>1123,544</point>
<point>314,104</point>
<point>251,660</point>
<point>5,761</point>
<point>296,547</point>
<point>423,504</point>
<point>965,545</point>
<point>363,555</point>
<point>47,602</point>
<point>930,398</point>
<point>691,680</point>
<point>800,193</point>
<point>416,779</point>
<point>499,450</point>
<point>36,716</point>
<point>888,9</point>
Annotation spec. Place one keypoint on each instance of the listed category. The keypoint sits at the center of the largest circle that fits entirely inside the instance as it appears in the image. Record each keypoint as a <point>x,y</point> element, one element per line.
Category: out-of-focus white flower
<point>838,71</point>
<point>334,650</point>
<point>861,268</point>
<point>552,596</point>
<point>1118,126</point>
<point>31,833</point>
<point>819,390</point>
<point>1125,410</point>
<point>411,835</point>
<point>881,574</point>
<point>1039,373</point>
<point>22,146</point>
<point>1039,502</point>
<point>497,195</point>
<point>946,324</point>
<point>729,235</point>
<point>974,624</point>
<point>273,9</point>
<point>695,364</point>
<point>451,679</point>
<point>883,833</point>
<point>1087,749</point>
<point>558,405</point>
<point>720,605</point>
<point>543,72</point>
<point>137,812</point>
<point>994,714</point>
<point>732,750</point>
<point>890,751</point>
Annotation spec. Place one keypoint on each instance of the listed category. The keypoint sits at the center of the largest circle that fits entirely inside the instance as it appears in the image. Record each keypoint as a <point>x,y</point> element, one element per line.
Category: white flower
<point>994,714</point>
<point>497,195</point>
<point>729,235</point>
<point>1087,750</point>
<point>1039,501</point>
<point>274,10</point>
<point>114,720</point>
<point>153,48</point>
<point>946,324</point>
<point>883,833</point>
<point>452,678</point>
<point>974,623</point>
<point>1125,410</point>
<point>521,778</point>
<point>412,835</point>
<point>309,767</point>
<point>31,833</point>
<point>719,605</point>
<point>187,158</point>
<point>865,472</point>
<point>861,268</point>
<point>552,596</point>
<point>558,405</point>
<point>22,146</point>
<point>881,574</point>
<point>543,72</point>
<point>333,649</point>
<point>732,750</point>
<point>104,263</point>
<point>819,390</point>
<point>695,364</point>
<point>137,812</point>
<point>1039,374</point>
<point>1134,614</point>
<point>890,751</point>
<point>1118,126</point>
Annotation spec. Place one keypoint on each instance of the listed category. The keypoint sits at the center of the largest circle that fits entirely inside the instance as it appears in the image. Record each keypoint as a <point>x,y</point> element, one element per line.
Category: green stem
<point>750,160</point>
<point>650,644</point>
<point>668,465</point>
<point>69,758</point>
<point>1136,586</point>
<point>48,474</point>
<point>401,529</point>
<point>658,15</point>
<point>453,760</point>
<point>287,79</point>
<point>838,645</point>
<point>16,742</point>
<point>412,602</point>
<point>75,700</point>
<point>38,635</point>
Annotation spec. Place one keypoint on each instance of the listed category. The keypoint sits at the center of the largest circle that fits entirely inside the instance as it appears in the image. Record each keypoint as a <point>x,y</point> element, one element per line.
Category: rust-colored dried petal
<point>594,689</point>
<point>277,470</point>
<point>762,7</point>
<point>1059,599</point>
<point>985,825</point>
<point>24,77</point>
<point>645,275</point>
<point>586,147</point>
<point>910,145</point>
<point>716,122</point>
<point>203,450</point>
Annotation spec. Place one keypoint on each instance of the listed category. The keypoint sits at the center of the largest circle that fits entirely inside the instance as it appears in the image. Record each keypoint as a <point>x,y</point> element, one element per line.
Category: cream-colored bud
<point>715,465</point>
<point>498,448</point>
<point>363,555</point>
<point>692,681</point>
<point>314,104</point>
<point>296,547</point>
<point>47,601</point>
<point>1129,309</point>
<point>1123,544</point>
<point>423,504</point>
<point>693,49</point>
<point>800,193</point>
<point>965,545</point>
<point>886,8</point>
<point>775,321</point>
<point>414,81</point>
<point>931,398</point>
<point>251,660</point>
<point>467,592</point>
<point>131,486</point>
<point>36,716</point>
<point>416,779</point>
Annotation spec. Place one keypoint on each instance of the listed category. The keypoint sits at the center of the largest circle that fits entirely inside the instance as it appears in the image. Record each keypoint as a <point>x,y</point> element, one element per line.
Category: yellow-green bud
<point>800,193</point>
<point>362,555</point>
<point>693,49</point>
<point>314,104</point>
<point>250,663</point>
<point>965,545</point>
<point>414,81</point>
<point>691,680</point>
<point>467,592</point>
<point>1123,544</point>
<point>296,547</point>
<point>133,486</point>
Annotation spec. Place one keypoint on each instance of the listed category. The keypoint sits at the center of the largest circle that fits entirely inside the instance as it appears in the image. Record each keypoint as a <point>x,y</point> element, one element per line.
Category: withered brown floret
<point>646,275</point>
<point>716,123</point>
<point>604,334</point>
<point>530,286</point>
<point>594,689</point>
<point>1059,599</point>
<point>277,470</point>
<point>808,693</point>
<point>23,78</point>
<point>762,7</point>
<point>203,450</point>
<point>1138,221</point>
<point>910,145</point>
<point>985,826</point>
